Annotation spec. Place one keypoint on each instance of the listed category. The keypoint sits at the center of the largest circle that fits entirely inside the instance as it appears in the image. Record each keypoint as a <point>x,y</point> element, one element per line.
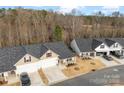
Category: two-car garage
<point>49,62</point>
<point>32,67</point>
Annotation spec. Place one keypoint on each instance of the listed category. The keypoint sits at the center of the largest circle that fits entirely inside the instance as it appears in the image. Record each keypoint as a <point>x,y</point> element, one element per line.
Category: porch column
<point>108,53</point>
<point>6,76</point>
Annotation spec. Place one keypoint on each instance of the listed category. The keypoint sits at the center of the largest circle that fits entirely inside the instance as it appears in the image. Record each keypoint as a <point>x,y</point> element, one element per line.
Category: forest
<point>27,26</point>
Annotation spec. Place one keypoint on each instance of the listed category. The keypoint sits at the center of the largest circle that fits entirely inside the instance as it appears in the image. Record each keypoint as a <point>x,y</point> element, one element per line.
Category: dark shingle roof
<point>36,50</point>
<point>84,44</point>
<point>119,40</point>
<point>60,48</point>
<point>11,55</point>
<point>96,43</point>
<point>109,42</point>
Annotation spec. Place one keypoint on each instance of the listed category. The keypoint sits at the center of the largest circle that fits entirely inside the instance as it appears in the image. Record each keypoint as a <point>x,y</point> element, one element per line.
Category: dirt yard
<point>43,77</point>
<point>83,66</point>
<point>12,84</point>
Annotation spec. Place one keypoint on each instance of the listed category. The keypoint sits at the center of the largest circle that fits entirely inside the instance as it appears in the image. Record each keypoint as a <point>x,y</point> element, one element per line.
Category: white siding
<point>49,62</point>
<point>119,47</point>
<point>66,62</point>
<point>28,68</point>
<point>105,49</point>
<point>75,47</point>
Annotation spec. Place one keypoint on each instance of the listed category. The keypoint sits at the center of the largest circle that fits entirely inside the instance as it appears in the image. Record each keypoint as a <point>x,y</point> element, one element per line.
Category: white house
<point>97,46</point>
<point>30,58</point>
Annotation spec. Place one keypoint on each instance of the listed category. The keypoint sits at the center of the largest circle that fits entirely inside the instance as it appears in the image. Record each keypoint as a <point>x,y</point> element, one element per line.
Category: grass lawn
<point>43,77</point>
<point>83,66</point>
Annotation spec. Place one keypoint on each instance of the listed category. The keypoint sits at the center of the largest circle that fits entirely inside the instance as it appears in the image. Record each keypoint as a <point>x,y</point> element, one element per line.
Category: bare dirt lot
<point>82,67</point>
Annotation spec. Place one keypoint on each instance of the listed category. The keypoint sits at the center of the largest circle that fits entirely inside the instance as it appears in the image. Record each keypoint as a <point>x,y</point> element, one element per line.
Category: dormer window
<point>102,46</point>
<point>69,59</point>
<point>115,45</point>
<point>27,59</point>
<point>48,54</point>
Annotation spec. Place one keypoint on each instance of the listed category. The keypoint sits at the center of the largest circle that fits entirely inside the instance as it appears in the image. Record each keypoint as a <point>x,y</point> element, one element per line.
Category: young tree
<point>57,34</point>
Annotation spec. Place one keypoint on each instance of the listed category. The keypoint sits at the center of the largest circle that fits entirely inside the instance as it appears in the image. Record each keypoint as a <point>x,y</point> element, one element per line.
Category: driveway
<point>121,61</point>
<point>54,74</point>
<point>106,62</point>
<point>35,79</point>
<point>108,76</point>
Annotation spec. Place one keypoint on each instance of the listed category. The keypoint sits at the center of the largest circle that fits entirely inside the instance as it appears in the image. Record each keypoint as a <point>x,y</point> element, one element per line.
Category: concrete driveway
<point>106,62</point>
<point>54,74</point>
<point>121,61</point>
<point>35,79</point>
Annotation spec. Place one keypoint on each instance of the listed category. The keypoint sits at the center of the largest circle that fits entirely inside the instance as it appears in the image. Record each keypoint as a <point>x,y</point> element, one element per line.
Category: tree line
<point>26,26</point>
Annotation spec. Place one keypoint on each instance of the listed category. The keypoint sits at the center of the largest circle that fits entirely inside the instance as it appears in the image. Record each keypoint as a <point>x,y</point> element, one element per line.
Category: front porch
<point>68,61</point>
<point>8,78</point>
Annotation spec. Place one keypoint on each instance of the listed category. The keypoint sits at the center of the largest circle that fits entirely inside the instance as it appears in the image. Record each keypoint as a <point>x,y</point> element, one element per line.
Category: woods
<point>26,26</point>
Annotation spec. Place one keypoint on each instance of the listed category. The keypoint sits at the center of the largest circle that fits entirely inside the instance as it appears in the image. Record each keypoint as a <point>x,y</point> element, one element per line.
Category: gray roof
<point>119,40</point>
<point>109,42</point>
<point>36,50</point>
<point>9,56</point>
<point>86,45</point>
<point>96,43</point>
<point>60,48</point>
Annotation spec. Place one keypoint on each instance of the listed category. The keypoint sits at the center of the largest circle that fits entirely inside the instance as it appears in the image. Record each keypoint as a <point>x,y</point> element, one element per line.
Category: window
<point>116,45</point>
<point>69,59</point>
<point>27,59</point>
<point>102,46</point>
<point>87,54</point>
<point>48,54</point>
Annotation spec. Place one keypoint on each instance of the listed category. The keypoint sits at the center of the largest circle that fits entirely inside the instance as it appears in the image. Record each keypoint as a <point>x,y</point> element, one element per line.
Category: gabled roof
<point>119,40</point>
<point>36,50</point>
<point>96,43</point>
<point>60,48</point>
<point>84,45</point>
<point>109,42</point>
<point>9,56</point>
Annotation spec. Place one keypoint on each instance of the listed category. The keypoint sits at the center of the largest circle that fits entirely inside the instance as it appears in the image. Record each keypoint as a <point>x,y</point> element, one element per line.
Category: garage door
<point>28,68</point>
<point>49,62</point>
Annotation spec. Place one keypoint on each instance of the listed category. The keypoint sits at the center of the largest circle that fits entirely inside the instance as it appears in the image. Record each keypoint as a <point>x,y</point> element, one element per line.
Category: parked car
<point>118,55</point>
<point>25,80</point>
<point>108,57</point>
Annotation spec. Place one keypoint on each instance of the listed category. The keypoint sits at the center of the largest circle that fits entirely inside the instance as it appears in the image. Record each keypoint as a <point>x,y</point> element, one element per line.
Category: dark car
<point>25,80</point>
<point>120,56</point>
<point>108,57</point>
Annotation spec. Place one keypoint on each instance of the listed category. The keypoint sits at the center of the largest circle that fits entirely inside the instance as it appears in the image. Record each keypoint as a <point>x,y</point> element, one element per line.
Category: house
<point>97,46</point>
<point>30,58</point>
<point>65,55</point>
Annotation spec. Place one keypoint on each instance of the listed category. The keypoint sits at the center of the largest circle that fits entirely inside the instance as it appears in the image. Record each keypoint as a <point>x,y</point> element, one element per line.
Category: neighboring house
<point>65,55</point>
<point>97,46</point>
<point>30,58</point>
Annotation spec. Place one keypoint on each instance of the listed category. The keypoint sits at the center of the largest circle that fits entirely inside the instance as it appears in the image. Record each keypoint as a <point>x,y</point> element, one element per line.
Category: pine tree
<point>57,34</point>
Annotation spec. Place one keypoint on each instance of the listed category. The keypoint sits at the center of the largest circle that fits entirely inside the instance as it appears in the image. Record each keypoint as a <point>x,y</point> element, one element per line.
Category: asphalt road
<point>108,76</point>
